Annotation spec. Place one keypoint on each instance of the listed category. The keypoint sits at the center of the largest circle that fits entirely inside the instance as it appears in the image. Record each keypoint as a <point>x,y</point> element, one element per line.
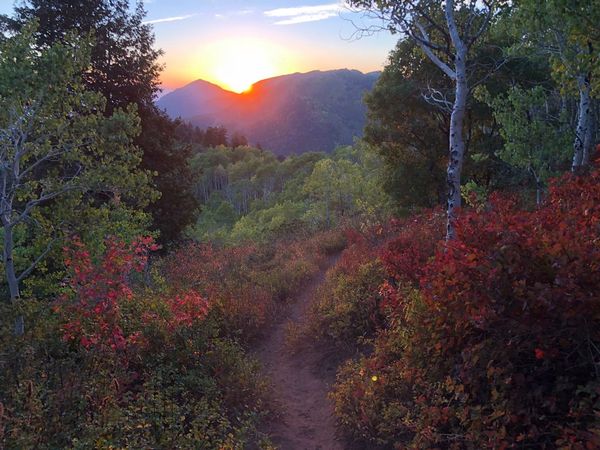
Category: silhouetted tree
<point>215,136</point>
<point>238,140</point>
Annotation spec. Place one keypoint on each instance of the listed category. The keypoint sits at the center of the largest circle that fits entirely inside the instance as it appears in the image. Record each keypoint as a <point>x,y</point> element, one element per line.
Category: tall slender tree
<point>446,32</point>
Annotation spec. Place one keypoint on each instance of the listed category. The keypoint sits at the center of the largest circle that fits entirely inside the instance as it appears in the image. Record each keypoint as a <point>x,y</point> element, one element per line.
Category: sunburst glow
<point>237,64</point>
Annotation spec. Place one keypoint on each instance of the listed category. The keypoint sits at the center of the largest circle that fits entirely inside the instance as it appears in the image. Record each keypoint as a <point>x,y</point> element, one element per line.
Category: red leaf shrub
<point>493,338</point>
<point>117,365</point>
<point>246,284</point>
<point>347,306</point>
<point>414,244</point>
<point>92,309</point>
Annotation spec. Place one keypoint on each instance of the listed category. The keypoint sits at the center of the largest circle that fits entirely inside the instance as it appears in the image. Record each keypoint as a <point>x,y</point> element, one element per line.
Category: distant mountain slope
<point>287,114</point>
<point>197,98</point>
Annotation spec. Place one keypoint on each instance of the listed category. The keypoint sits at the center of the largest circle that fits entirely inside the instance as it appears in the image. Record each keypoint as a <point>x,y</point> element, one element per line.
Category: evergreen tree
<point>238,140</point>
<point>215,136</point>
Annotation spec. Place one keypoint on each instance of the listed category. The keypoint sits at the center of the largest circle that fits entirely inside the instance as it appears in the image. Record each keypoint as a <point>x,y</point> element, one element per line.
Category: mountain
<point>314,111</point>
<point>197,98</point>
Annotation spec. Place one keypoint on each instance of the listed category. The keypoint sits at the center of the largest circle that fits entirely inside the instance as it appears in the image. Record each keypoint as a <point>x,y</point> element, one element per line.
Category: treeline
<point>210,137</point>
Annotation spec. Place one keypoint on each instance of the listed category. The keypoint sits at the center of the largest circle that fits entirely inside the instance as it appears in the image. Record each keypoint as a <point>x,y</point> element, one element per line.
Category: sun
<point>239,63</point>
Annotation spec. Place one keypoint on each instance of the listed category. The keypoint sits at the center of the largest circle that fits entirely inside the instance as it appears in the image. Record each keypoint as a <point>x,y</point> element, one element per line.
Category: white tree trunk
<point>457,142</point>
<point>588,142</point>
<point>457,119</point>
<point>11,276</point>
<point>583,123</point>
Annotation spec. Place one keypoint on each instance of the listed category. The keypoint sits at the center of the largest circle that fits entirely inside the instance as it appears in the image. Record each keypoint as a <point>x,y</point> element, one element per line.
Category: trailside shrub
<point>415,241</point>
<point>225,275</point>
<point>330,242</point>
<point>247,284</point>
<point>491,340</point>
<point>113,366</point>
<point>347,304</point>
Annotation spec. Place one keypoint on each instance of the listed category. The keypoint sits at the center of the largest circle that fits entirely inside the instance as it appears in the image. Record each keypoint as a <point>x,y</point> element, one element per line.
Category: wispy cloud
<point>301,14</point>
<point>168,19</point>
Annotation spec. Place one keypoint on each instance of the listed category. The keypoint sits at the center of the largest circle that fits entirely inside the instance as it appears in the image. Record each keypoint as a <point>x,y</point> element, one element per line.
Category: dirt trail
<point>301,382</point>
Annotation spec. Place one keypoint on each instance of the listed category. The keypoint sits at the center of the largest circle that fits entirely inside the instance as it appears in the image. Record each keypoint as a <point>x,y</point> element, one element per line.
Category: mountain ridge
<point>292,113</point>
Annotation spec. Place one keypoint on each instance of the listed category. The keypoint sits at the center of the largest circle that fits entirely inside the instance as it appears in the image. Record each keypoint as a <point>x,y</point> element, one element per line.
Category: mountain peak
<point>294,113</point>
<point>199,83</point>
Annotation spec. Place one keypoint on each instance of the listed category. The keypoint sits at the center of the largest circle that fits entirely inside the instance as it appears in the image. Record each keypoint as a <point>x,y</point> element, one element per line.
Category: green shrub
<point>347,306</point>
<point>107,367</point>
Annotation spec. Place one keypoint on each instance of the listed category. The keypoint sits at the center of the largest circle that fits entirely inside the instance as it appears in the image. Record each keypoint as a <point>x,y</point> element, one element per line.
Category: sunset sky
<point>236,42</point>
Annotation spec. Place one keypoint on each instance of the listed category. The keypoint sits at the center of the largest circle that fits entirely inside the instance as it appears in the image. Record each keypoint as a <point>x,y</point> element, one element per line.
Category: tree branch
<point>438,99</point>
<point>483,26</point>
<point>429,52</point>
<point>27,271</point>
<point>453,28</point>
<point>41,199</point>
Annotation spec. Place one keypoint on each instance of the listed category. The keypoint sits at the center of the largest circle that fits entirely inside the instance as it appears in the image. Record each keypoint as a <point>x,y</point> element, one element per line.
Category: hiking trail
<point>301,380</point>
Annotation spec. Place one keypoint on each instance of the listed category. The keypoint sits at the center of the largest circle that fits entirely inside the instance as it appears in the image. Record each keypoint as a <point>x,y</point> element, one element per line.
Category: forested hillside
<point>429,283</point>
<point>289,114</point>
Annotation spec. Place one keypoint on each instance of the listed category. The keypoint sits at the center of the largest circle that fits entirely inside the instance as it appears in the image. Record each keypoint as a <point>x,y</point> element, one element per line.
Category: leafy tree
<point>167,157</point>
<point>566,30</point>
<point>215,221</point>
<point>409,133</point>
<point>446,33</point>
<point>124,68</point>
<point>259,225</point>
<point>331,188</point>
<point>57,146</point>
<point>533,133</point>
<point>124,65</point>
<point>346,187</point>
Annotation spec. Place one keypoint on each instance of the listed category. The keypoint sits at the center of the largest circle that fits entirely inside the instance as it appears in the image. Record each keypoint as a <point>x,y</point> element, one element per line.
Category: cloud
<point>229,14</point>
<point>168,19</point>
<point>302,14</point>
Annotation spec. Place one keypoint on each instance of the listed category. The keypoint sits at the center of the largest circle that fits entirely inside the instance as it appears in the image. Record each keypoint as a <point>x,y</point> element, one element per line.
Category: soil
<point>301,380</point>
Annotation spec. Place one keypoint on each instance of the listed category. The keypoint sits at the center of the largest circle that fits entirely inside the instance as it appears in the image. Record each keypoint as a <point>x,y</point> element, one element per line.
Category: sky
<point>234,43</point>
